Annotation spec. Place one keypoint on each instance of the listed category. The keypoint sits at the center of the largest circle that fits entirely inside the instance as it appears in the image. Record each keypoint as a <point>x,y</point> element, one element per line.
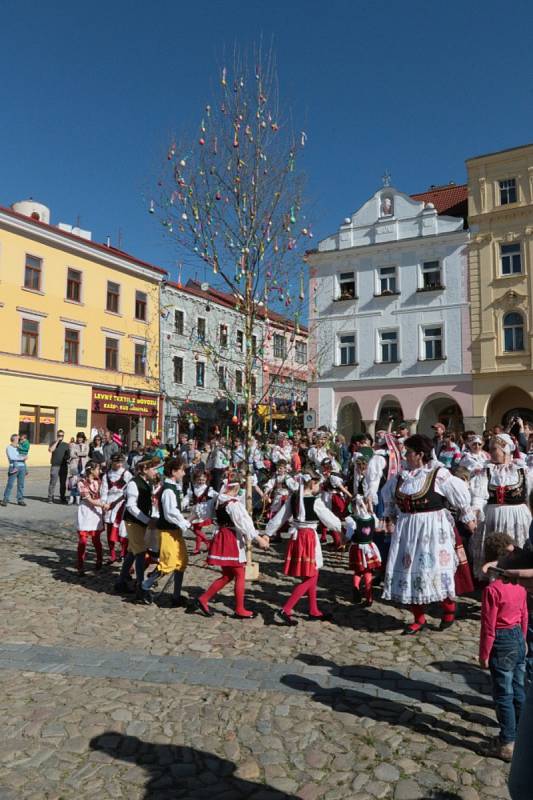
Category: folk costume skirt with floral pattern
<point>421,563</point>
<point>224,549</point>
<point>301,558</point>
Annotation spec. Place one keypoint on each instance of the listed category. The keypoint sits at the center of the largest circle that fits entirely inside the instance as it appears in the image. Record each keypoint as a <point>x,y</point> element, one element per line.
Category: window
<point>301,352</point>
<point>347,349</point>
<point>507,191</point>
<point>223,335</point>
<point>113,297</point>
<point>179,322</point>
<point>222,377</point>
<point>201,328</point>
<point>432,341</point>
<point>510,259</point>
<point>240,341</point>
<point>513,332</point>
<point>140,359</point>
<point>431,275</point>
<point>347,286</point>
<point>388,347</point>
<point>140,306</point>
<point>200,374</point>
<point>74,285</point>
<point>72,346</point>
<point>30,338</point>
<point>280,346</point>
<point>38,423</point>
<point>238,381</point>
<point>253,385</point>
<point>32,273</point>
<point>111,354</point>
<point>387,280</point>
<point>178,369</point>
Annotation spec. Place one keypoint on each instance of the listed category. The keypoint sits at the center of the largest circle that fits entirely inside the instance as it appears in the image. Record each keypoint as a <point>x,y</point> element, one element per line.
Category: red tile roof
<point>451,200</point>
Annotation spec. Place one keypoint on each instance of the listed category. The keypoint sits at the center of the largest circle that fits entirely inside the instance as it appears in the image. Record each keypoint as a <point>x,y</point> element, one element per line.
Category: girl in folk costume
<point>201,498</point>
<point>363,555</point>
<point>171,523</point>
<point>421,563</point>
<point>277,491</point>
<point>335,497</point>
<point>501,498</point>
<point>140,519</point>
<point>475,460</point>
<point>113,485</point>
<point>90,514</point>
<point>227,549</point>
<point>383,465</point>
<point>304,554</point>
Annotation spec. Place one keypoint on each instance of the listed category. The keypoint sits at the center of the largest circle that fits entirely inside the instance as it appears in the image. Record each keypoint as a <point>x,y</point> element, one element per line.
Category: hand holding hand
<point>263,542</point>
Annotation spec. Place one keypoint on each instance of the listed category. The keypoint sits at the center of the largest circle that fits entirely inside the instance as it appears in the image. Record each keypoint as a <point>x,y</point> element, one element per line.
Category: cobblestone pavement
<point>101,698</point>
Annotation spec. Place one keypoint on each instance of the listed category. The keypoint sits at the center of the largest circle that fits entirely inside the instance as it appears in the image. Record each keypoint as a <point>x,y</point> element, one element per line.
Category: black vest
<point>364,530</point>
<point>385,474</point>
<point>144,501</point>
<point>508,495</point>
<point>163,524</point>
<point>309,507</point>
<point>425,500</point>
<point>223,518</point>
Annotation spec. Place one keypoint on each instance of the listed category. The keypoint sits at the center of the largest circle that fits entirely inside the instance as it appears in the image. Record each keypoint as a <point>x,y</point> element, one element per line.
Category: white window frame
<point>381,343</point>
<point>423,271</point>
<point>340,346</point>
<point>423,339</point>
<point>506,188</point>
<point>340,282</point>
<point>510,257</point>
<point>387,292</point>
<point>514,327</point>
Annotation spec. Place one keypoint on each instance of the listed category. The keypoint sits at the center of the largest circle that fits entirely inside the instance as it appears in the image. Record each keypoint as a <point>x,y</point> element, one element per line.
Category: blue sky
<point>91,93</point>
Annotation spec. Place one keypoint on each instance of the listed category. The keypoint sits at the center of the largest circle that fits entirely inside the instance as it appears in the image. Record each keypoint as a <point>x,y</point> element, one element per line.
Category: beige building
<point>500,206</point>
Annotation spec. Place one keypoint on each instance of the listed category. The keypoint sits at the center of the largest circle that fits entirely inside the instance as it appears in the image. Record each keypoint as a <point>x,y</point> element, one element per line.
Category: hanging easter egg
<point>184,216</point>
<point>224,74</point>
<point>201,140</point>
<point>234,420</point>
<point>152,207</point>
<point>183,163</point>
<point>218,196</point>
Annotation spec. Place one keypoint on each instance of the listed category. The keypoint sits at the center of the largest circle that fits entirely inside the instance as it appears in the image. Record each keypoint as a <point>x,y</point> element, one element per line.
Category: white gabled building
<point>389,315</point>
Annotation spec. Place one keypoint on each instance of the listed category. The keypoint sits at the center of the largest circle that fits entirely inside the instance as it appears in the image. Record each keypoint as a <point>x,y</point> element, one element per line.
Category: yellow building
<point>80,334</point>
<point>500,205</point>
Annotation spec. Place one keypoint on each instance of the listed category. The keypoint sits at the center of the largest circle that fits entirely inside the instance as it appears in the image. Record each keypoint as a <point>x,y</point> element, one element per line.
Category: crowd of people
<point>429,518</point>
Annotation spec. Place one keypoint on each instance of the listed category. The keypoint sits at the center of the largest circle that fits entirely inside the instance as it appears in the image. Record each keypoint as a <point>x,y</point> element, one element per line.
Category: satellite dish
<point>204,287</point>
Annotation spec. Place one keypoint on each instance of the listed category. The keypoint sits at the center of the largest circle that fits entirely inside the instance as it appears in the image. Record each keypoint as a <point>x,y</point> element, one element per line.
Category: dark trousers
<point>507,665</point>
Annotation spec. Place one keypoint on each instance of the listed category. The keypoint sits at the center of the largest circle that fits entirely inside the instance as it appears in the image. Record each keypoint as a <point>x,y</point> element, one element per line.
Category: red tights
<point>308,587</point>
<point>201,538</point>
<point>418,612</point>
<point>112,539</point>
<point>228,574</point>
<point>366,576</point>
<point>82,547</point>
<point>337,541</point>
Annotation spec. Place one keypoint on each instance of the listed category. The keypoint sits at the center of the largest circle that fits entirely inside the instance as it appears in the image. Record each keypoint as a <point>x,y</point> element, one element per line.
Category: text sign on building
<point>137,404</point>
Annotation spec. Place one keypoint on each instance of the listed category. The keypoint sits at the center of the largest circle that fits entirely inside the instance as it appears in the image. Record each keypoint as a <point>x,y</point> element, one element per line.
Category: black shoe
<point>321,618</point>
<point>143,598</point>
<point>21,503</point>
<point>252,615</point>
<point>197,606</point>
<point>122,587</point>
<point>356,596</point>
<point>446,623</point>
<point>367,603</point>
<point>3,503</point>
<point>286,618</point>
<point>179,602</point>
<point>410,631</point>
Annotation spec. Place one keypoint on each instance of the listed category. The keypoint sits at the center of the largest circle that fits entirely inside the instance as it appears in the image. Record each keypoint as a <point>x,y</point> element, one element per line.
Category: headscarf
<point>395,458</point>
<point>504,441</point>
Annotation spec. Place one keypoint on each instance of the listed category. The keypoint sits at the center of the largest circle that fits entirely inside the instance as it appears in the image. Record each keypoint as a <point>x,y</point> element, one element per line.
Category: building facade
<point>80,333</point>
<point>285,373</point>
<point>500,197</point>
<point>389,317</point>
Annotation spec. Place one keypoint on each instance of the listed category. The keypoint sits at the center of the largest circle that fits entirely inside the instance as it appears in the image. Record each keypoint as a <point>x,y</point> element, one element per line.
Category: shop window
<point>33,273</point>
<point>111,354</point>
<point>72,346</point>
<point>140,359</point>
<point>30,338</point>
<point>38,423</point>
<point>140,306</point>
<point>74,285</point>
<point>113,297</point>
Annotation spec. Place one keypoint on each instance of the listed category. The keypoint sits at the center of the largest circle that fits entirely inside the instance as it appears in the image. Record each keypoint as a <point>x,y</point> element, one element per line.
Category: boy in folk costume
<point>364,555</point>
<point>304,554</point>
<point>228,547</point>
<point>90,515</point>
<point>113,486</point>
<point>171,523</point>
<point>200,499</point>
<point>139,518</point>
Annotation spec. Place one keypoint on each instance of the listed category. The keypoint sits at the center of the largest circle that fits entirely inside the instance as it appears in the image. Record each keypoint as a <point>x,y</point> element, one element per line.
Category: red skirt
<point>224,550</point>
<point>300,561</point>
<point>361,561</point>
<point>463,576</point>
<point>339,505</point>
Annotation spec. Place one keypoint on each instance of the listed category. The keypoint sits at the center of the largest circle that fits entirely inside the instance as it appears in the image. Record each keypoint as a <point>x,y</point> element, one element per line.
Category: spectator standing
<point>96,450</point>
<point>109,448</point>
<point>78,458</point>
<point>59,451</point>
<point>16,471</point>
<point>135,454</point>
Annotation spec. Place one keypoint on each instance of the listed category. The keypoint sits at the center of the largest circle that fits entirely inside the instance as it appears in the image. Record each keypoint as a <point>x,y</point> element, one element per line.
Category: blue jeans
<point>19,476</point>
<point>507,665</point>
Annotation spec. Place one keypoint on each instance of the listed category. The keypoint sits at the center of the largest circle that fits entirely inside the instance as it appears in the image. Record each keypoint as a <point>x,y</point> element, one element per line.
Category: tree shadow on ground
<point>387,709</point>
<point>468,671</point>
<point>175,771</point>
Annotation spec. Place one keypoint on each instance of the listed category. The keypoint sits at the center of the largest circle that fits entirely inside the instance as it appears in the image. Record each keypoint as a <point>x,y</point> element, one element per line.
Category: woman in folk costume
<point>227,549</point>
<point>90,515</point>
<point>501,498</point>
<point>173,558</point>
<point>201,499</point>
<point>113,486</point>
<point>363,555</point>
<point>140,519</point>
<point>304,555</point>
<point>421,563</point>
<point>475,459</point>
<point>383,465</point>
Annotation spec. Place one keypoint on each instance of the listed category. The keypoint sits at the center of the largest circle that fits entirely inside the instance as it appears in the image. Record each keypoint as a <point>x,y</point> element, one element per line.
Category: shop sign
<point>124,403</point>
